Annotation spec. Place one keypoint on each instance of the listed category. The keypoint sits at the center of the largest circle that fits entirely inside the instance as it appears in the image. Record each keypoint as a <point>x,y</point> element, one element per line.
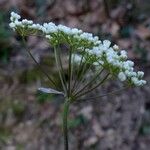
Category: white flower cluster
<point>109,57</point>
<point>116,61</point>
<point>50,30</point>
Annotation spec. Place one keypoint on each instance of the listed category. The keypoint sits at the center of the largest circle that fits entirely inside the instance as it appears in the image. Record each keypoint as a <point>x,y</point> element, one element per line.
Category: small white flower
<point>116,47</point>
<point>123,54</point>
<point>95,51</point>
<point>76,58</point>
<point>25,21</point>
<point>106,43</point>
<point>87,36</point>
<point>122,76</point>
<point>14,16</point>
<point>96,64</point>
<point>12,25</point>
<point>130,63</point>
<point>64,29</point>
<point>96,38</point>
<point>101,62</point>
<point>134,80</point>
<point>76,31</point>
<point>140,74</point>
<point>48,37</point>
<point>49,28</point>
<point>17,23</point>
<point>143,82</point>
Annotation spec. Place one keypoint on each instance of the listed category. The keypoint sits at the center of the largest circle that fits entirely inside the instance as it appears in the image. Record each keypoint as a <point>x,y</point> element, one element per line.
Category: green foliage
<point>19,147</point>
<point>18,109</point>
<point>145,129</point>
<point>4,134</point>
<point>43,97</point>
<point>79,120</point>
<point>16,106</point>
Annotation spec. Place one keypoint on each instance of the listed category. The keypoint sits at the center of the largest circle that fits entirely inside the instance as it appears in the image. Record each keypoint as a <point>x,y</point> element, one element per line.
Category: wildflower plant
<point>91,62</point>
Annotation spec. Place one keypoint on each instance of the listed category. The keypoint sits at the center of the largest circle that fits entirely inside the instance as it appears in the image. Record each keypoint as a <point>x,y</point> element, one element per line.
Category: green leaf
<point>50,91</point>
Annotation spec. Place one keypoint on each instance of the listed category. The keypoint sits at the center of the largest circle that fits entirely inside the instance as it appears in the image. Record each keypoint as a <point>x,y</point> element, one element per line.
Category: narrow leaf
<point>50,91</point>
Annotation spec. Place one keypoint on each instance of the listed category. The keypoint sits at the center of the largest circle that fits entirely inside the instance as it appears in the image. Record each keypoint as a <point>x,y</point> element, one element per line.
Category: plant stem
<point>91,81</point>
<point>38,65</point>
<point>79,94</point>
<point>65,122</point>
<point>70,71</point>
<point>59,65</point>
<point>103,95</point>
<point>81,78</point>
<point>78,71</point>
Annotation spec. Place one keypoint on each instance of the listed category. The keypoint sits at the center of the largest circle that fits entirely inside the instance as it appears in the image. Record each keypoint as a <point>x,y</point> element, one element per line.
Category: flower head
<point>86,45</point>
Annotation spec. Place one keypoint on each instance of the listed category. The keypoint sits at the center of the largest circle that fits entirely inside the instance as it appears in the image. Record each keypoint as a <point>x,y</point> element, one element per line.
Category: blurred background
<point>32,121</point>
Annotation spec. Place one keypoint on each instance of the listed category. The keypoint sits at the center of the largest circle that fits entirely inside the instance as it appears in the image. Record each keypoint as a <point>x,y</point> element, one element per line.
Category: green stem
<point>103,95</point>
<point>70,71</point>
<point>81,78</point>
<point>65,123</point>
<point>91,81</point>
<point>59,70</point>
<point>78,71</point>
<point>38,65</point>
<point>79,94</point>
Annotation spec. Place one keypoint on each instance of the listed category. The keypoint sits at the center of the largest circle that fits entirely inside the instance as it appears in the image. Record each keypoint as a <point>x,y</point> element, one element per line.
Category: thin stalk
<point>39,66</point>
<point>73,74</point>
<point>91,81</point>
<point>79,69</point>
<point>61,68</point>
<point>79,94</point>
<point>59,72</point>
<point>103,95</point>
<point>65,123</point>
<point>70,71</point>
<point>81,77</point>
